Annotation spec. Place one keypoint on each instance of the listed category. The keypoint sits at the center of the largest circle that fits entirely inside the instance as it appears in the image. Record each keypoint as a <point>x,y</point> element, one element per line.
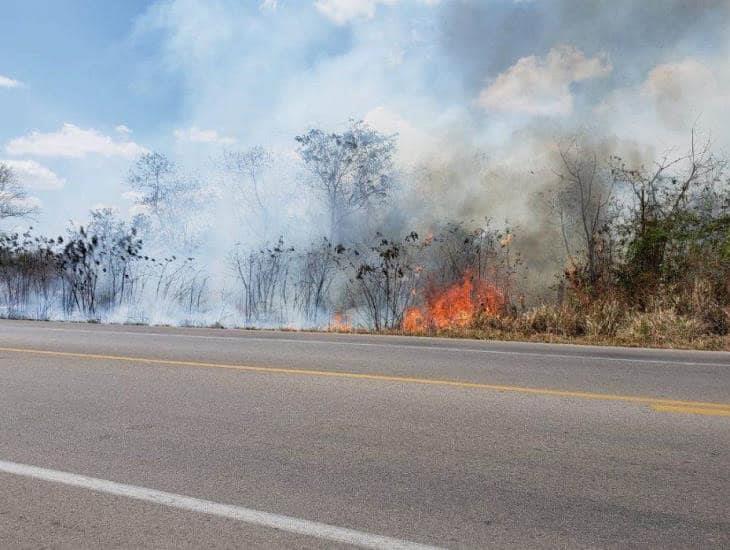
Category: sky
<point>87,86</point>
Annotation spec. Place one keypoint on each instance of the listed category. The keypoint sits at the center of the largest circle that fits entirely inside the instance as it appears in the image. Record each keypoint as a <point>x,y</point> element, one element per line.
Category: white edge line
<point>238,513</point>
<point>405,346</point>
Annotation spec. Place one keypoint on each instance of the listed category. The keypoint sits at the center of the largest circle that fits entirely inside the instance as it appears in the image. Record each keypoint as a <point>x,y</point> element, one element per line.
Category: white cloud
<point>7,82</point>
<point>343,11</point>
<point>541,85</point>
<point>33,175</point>
<point>72,142</point>
<point>196,135</point>
<point>269,5</point>
<point>123,129</point>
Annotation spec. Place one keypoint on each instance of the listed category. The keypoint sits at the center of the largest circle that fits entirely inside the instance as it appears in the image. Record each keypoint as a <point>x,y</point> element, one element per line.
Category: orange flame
<point>455,307</point>
<point>414,320</point>
<point>340,322</point>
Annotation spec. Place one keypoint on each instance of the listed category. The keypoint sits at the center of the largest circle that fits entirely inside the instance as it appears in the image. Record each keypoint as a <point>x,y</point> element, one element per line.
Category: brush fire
<point>456,306</point>
<point>651,268</point>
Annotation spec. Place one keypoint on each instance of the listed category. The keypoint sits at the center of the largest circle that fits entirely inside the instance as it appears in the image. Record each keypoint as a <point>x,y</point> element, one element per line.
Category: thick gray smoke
<point>479,95</point>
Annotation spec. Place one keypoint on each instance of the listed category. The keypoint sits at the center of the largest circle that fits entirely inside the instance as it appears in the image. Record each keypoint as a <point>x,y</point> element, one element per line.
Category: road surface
<point>159,437</point>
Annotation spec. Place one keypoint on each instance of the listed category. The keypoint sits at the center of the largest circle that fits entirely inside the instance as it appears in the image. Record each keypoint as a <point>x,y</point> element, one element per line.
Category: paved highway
<point>159,437</point>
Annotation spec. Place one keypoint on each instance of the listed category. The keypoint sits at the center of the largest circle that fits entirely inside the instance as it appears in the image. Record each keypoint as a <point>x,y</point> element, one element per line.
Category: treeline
<point>644,249</point>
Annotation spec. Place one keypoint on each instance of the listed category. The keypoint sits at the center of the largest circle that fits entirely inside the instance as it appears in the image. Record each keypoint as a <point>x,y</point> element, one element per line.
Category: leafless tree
<point>252,199</point>
<point>264,277</point>
<point>583,200</point>
<point>349,170</point>
<point>13,197</point>
<point>173,200</point>
<point>249,165</point>
<point>383,278</point>
<point>152,175</point>
<point>482,252</point>
<point>316,272</point>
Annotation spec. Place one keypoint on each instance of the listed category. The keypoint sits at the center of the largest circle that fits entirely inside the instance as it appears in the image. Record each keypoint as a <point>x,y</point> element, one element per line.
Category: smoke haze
<point>479,94</point>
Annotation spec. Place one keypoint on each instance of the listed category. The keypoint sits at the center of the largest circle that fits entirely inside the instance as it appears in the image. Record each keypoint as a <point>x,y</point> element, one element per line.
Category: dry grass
<point>603,323</point>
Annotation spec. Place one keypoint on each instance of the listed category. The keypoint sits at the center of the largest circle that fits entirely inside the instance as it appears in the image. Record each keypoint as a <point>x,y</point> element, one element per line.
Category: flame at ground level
<point>340,322</point>
<point>456,306</point>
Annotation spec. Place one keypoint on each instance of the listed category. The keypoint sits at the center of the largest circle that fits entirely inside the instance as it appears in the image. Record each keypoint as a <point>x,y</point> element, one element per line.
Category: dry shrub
<point>717,320</point>
<point>604,318</point>
<point>560,321</point>
<point>705,307</point>
<point>491,322</point>
<point>661,326</point>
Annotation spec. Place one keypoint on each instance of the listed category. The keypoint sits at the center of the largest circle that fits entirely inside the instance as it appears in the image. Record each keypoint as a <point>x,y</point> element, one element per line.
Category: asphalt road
<point>440,442</point>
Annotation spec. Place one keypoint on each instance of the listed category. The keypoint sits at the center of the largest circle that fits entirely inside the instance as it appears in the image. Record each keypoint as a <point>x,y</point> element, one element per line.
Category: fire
<point>340,322</point>
<point>414,320</point>
<point>456,306</point>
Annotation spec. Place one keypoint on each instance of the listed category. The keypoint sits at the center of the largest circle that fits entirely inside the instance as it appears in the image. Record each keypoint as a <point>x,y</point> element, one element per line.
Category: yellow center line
<point>706,411</point>
<point>655,402</point>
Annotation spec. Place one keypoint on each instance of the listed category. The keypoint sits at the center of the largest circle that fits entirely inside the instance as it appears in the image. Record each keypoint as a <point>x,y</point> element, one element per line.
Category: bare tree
<point>152,175</point>
<point>349,170</point>
<point>383,278</point>
<point>13,197</point>
<point>583,201</point>
<point>173,199</point>
<point>264,278</point>
<point>481,251</point>
<point>249,166</point>
<point>316,273</point>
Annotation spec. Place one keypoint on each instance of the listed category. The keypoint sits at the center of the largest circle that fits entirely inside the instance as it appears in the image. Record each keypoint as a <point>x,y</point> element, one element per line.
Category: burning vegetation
<point>642,254</point>
<point>457,306</point>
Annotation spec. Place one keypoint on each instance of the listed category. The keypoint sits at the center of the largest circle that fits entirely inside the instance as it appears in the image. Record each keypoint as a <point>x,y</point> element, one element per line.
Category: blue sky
<point>78,62</point>
<point>87,85</point>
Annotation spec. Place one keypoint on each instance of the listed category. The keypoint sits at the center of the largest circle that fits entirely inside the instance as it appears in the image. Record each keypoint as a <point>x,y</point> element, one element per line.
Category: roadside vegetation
<point>643,251</point>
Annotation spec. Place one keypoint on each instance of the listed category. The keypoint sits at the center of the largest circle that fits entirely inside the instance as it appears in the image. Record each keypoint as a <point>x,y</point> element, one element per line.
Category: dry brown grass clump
<point>605,318</point>
<point>661,327</point>
<point>605,322</point>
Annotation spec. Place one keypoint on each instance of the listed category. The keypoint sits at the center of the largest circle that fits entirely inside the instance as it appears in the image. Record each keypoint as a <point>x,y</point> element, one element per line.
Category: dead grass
<point>608,323</point>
